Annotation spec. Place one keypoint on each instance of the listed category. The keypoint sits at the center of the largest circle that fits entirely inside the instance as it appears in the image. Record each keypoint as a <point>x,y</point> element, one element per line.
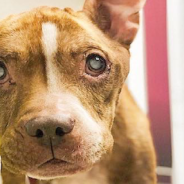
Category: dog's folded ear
<point>118,18</point>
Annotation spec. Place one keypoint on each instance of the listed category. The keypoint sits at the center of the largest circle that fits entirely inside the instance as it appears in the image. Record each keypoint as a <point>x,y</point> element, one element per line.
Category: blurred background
<point>157,70</point>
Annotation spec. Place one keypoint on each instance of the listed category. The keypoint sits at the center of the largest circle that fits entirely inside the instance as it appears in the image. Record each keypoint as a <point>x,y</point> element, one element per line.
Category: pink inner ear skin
<point>123,9</point>
<point>124,17</point>
<point>121,15</point>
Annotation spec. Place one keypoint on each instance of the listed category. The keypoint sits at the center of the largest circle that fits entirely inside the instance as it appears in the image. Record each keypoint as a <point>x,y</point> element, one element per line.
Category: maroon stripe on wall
<point>157,78</point>
<point>164,179</point>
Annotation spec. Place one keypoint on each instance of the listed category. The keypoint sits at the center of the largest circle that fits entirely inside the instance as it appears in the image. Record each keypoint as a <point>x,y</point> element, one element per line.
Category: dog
<point>66,115</point>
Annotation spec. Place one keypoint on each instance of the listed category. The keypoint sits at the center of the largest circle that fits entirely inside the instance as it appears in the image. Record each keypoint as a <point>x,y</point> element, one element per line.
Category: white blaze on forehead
<point>49,39</point>
<point>50,47</point>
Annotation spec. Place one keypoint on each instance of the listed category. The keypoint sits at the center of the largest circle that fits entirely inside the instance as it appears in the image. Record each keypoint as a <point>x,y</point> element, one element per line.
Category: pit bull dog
<point>65,117</point>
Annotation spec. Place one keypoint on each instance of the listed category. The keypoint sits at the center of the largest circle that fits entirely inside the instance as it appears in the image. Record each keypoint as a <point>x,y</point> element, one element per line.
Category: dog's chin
<point>55,169</point>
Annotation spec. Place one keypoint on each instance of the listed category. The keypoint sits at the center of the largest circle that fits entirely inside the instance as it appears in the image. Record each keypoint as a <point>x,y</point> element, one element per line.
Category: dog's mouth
<point>54,168</point>
<point>53,162</point>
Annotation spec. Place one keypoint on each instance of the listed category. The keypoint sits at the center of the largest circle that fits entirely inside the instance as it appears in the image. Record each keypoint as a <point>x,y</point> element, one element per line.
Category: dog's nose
<point>49,129</point>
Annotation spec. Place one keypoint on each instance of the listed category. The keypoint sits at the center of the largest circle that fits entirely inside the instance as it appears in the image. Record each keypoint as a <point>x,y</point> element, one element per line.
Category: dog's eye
<point>95,65</point>
<point>3,73</point>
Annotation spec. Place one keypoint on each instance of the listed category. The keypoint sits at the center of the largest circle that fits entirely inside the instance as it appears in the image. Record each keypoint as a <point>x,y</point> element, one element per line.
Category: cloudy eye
<point>95,65</point>
<point>3,71</point>
<point>4,77</point>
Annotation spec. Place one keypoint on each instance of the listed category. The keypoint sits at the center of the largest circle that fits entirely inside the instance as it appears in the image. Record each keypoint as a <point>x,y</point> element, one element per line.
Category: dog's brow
<point>9,56</point>
<point>86,47</point>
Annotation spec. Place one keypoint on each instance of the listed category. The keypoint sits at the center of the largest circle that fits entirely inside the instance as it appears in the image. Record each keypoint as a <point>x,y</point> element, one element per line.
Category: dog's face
<point>60,76</point>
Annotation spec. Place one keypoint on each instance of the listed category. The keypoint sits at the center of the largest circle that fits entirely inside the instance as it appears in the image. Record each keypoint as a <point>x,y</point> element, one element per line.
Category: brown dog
<point>61,75</point>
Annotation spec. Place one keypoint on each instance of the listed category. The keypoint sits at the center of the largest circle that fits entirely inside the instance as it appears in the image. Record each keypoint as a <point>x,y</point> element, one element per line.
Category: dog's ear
<point>118,18</point>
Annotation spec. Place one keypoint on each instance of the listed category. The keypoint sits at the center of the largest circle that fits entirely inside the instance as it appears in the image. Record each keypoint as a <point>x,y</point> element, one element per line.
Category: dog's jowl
<point>65,116</point>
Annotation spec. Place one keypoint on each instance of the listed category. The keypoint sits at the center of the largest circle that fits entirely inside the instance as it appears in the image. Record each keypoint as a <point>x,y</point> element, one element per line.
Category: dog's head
<point>60,76</point>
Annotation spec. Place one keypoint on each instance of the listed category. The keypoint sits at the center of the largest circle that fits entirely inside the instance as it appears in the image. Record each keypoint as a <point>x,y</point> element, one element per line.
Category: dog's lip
<point>54,161</point>
<point>54,168</point>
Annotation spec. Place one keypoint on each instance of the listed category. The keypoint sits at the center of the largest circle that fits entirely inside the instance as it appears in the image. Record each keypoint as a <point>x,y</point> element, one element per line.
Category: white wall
<point>8,7</point>
<point>176,73</point>
<point>137,76</point>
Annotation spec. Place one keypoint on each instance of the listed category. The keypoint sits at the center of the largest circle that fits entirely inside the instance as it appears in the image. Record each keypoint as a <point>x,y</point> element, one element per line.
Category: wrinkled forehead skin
<point>22,47</point>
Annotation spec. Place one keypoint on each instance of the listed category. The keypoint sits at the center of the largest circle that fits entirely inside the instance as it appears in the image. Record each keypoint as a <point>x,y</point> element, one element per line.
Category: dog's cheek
<point>97,138</point>
<point>92,148</point>
<point>11,151</point>
<point>96,122</point>
<point>7,107</point>
<point>17,156</point>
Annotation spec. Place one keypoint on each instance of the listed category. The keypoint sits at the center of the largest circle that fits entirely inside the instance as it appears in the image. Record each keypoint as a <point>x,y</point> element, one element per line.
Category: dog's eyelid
<point>96,50</point>
<point>89,50</point>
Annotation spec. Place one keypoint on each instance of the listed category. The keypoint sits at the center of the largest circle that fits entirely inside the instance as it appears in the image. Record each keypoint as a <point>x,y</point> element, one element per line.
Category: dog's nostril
<point>39,133</point>
<point>59,131</point>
